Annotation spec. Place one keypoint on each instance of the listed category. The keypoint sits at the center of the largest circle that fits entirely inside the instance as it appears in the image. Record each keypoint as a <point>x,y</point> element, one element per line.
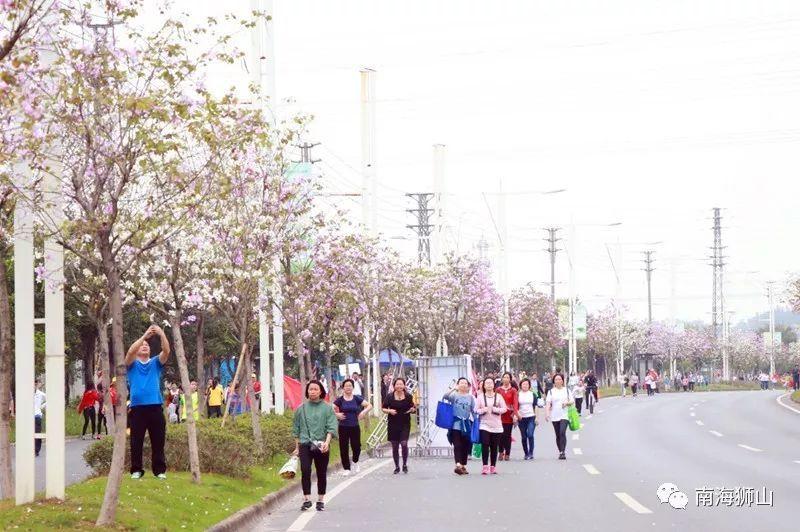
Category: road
<point>76,468</point>
<point>615,465</point>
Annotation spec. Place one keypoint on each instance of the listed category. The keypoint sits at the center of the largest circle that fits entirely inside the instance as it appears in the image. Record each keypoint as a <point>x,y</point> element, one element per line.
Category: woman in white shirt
<point>526,416</point>
<point>558,399</point>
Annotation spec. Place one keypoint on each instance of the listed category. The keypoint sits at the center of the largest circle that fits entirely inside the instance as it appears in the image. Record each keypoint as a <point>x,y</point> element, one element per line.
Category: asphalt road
<point>76,468</point>
<point>615,465</point>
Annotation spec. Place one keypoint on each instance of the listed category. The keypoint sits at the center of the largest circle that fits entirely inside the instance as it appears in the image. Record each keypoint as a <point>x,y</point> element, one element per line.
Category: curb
<point>246,518</point>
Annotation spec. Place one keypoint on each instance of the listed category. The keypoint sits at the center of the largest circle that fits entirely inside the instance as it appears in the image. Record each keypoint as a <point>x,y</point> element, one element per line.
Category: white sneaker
<point>346,473</point>
<point>357,468</point>
<point>137,475</point>
<point>161,476</point>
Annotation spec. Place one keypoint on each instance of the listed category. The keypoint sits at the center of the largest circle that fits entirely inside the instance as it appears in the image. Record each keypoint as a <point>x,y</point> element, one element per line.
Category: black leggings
<point>214,411</point>
<point>490,442</point>
<point>462,445</point>
<point>578,404</point>
<point>89,415</point>
<point>349,436</point>
<point>320,460</point>
<point>101,422</point>
<point>560,428</point>
<point>396,452</point>
<point>505,441</point>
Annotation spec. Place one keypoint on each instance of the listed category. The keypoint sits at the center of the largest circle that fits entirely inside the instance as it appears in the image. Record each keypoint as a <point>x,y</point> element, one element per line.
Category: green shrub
<point>796,396</point>
<point>229,451</point>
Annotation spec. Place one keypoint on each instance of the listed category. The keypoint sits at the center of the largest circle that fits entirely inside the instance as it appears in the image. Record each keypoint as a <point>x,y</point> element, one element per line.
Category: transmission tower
<point>552,250</point>
<point>483,251</point>
<point>717,263</point>
<point>423,227</point>
<point>648,269</point>
<point>305,153</point>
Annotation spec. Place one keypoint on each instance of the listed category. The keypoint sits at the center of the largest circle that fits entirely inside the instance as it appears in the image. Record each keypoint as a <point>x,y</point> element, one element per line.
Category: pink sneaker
<point>485,470</point>
<point>492,470</point>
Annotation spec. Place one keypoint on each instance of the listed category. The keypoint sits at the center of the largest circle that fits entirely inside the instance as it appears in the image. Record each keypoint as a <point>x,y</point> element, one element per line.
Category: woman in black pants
<point>313,428</point>
<point>350,409</point>
<point>460,433</point>
<point>558,399</point>
<point>399,405</point>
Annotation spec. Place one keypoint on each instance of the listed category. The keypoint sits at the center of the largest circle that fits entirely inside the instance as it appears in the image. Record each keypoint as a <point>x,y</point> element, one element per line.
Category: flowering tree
<point>535,330</point>
<point>24,25</point>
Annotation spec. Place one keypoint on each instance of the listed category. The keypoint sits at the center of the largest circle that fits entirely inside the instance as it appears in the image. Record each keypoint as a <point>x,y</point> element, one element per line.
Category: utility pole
<point>483,251</point>
<point>552,250</point>
<point>718,262</point>
<point>438,248</point>
<point>648,269</point>
<point>573,344</point>
<point>771,300</point>
<point>423,227</point>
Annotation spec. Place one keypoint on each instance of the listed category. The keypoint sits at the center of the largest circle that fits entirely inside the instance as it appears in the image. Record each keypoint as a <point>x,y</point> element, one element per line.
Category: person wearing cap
<point>146,409</point>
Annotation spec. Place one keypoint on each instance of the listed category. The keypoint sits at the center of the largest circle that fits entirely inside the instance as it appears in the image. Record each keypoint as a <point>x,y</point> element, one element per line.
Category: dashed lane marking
<point>592,470</point>
<point>576,437</point>
<point>632,503</point>
<point>715,433</point>
<point>577,450</point>
<point>699,422</point>
<point>691,414</point>
<point>753,449</point>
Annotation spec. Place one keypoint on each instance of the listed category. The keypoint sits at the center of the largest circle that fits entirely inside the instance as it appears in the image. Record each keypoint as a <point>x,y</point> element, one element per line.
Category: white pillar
<point>438,247</point>
<point>23,342</point>
<point>369,189</point>
<point>264,361</point>
<point>54,341</point>
<point>277,360</point>
<point>262,57</point>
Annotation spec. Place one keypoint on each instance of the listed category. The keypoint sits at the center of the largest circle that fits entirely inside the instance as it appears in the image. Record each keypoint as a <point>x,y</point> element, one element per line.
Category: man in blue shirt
<point>146,414</point>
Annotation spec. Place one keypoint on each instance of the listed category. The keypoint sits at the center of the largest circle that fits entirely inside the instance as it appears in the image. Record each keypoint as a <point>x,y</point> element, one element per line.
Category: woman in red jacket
<point>511,399</point>
<point>90,397</point>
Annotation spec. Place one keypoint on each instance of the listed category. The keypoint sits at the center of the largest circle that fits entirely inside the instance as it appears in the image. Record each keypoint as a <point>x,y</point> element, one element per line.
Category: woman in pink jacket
<point>490,407</point>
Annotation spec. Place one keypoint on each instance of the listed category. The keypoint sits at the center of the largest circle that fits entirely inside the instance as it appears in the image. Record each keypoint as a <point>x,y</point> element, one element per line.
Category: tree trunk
<point>301,360</point>
<point>234,382</point>
<point>88,344</point>
<point>108,509</point>
<point>183,368</point>
<point>255,418</point>
<point>6,476</point>
<point>105,366</point>
<point>201,362</point>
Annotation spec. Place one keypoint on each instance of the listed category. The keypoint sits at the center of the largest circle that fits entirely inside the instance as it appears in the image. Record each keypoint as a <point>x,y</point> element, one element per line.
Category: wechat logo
<point>668,493</point>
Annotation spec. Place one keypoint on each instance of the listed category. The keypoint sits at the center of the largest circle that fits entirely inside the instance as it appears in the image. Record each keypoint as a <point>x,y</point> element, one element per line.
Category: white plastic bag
<point>289,469</point>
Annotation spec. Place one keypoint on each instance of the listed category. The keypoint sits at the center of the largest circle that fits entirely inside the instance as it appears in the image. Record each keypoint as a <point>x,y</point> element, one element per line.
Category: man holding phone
<point>146,410</point>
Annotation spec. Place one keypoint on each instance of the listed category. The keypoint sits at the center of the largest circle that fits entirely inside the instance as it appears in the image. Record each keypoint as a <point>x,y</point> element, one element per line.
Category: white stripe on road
<point>302,521</point>
<point>715,433</point>
<point>691,408</point>
<point>743,446</point>
<point>576,437</point>
<point>780,402</point>
<point>691,414</point>
<point>699,422</point>
<point>577,450</point>
<point>797,461</point>
<point>632,503</point>
<point>592,470</point>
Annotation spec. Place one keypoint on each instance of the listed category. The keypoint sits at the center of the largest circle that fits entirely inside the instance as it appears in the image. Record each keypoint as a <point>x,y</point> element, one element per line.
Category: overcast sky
<point>649,113</point>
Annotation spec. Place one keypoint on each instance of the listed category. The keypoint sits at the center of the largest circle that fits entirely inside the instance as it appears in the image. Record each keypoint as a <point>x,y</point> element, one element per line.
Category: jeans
<point>320,461</point>
<point>462,445</point>
<point>560,428</point>
<point>505,441</point>
<point>349,437</point>
<point>89,415</point>
<point>527,426</point>
<point>150,419</point>
<point>490,442</point>
<point>37,427</point>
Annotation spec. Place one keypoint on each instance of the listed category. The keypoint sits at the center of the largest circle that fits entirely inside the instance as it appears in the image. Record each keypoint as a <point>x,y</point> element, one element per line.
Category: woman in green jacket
<point>314,427</point>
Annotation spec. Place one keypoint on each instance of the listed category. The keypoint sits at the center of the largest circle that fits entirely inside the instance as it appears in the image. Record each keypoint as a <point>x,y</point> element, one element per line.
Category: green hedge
<point>229,451</point>
<point>796,396</point>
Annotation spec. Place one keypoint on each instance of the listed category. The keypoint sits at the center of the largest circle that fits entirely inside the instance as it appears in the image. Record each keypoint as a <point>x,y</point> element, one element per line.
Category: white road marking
<point>592,470</point>
<point>797,461</point>
<point>600,411</point>
<point>699,422</point>
<point>300,523</point>
<point>743,446</point>
<point>715,433</point>
<point>780,402</point>
<point>577,450</point>
<point>691,414</point>
<point>632,503</point>
<point>576,437</point>
<point>691,408</point>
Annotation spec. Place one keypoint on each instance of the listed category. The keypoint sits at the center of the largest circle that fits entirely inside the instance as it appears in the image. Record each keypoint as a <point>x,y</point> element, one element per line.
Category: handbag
<point>289,469</point>
<point>312,445</point>
<point>444,415</point>
<point>475,433</point>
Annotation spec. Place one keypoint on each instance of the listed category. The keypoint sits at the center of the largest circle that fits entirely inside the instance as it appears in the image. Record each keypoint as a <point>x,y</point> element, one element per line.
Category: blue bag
<point>475,434</point>
<point>444,415</point>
